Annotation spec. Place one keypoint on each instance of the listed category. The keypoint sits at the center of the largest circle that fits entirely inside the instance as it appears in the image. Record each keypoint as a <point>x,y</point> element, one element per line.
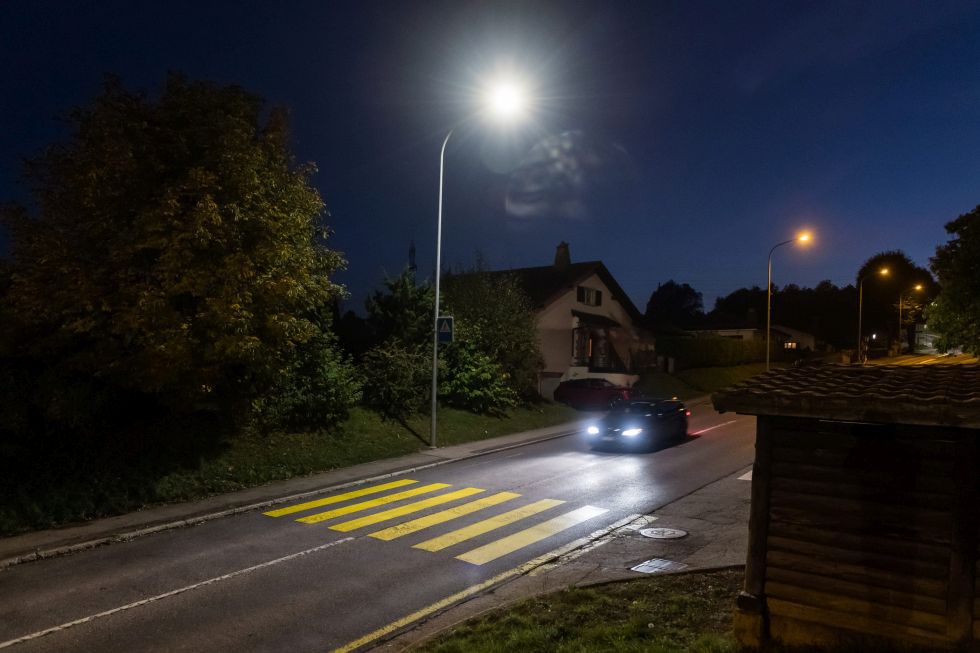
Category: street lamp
<point>504,101</point>
<point>883,272</point>
<point>802,238</point>
<point>917,288</point>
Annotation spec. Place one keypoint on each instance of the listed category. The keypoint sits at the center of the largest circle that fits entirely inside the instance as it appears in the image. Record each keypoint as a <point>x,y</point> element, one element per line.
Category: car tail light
<point>687,412</point>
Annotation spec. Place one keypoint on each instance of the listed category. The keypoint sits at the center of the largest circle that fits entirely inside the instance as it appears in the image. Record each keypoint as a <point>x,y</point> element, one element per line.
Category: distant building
<point>587,325</point>
<point>782,337</point>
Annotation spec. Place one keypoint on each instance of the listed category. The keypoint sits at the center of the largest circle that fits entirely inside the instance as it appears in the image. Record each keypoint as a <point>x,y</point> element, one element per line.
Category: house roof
<point>547,283</point>
<point>939,395</point>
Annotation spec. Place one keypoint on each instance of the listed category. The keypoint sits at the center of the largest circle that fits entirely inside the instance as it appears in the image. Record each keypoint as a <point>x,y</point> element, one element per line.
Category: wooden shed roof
<point>940,395</point>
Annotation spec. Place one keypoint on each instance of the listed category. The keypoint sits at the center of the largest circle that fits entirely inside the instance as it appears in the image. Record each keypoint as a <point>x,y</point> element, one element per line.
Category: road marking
<point>405,510</point>
<point>712,428</point>
<point>747,476</point>
<point>158,597</point>
<point>528,536</point>
<point>447,602</point>
<point>373,503</point>
<point>487,525</point>
<point>415,525</point>
<point>299,507</point>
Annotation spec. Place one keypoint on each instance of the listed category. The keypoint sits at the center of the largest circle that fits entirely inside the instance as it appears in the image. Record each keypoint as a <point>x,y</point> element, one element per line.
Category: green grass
<point>696,382</point>
<point>672,613</point>
<point>68,489</point>
<point>712,379</point>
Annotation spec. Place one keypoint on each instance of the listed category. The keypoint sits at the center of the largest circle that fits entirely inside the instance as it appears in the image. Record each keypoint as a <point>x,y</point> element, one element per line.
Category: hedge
<point>710,351</point>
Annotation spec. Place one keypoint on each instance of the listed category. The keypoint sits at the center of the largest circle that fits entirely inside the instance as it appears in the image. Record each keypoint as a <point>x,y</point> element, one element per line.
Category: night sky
<point>671,140</point>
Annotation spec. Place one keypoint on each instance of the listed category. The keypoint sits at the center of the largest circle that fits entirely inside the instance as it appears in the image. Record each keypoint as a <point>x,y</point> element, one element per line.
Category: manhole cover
<point>658,565</point>
<point>663,533</point>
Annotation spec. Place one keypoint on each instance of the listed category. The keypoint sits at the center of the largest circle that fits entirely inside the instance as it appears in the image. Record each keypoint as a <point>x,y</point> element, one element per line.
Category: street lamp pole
<point>437,274</point>
<point>883,272</point>
<point>769,295</point>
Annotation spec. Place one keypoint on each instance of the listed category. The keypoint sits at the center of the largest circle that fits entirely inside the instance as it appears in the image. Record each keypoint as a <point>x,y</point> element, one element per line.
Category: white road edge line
<point>520,570</point>
<point>158,597</point>
<point>712,428</point>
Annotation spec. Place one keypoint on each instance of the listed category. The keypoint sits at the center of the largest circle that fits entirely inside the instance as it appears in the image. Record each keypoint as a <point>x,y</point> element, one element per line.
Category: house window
<point>789,345</point>
<point>589,296</point>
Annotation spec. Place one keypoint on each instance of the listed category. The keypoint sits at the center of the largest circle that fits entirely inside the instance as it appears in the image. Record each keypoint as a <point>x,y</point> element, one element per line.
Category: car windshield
<point>632,407</point>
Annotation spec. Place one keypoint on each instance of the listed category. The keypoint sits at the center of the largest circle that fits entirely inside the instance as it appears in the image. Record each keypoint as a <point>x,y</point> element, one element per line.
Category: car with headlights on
<point>640,424</point>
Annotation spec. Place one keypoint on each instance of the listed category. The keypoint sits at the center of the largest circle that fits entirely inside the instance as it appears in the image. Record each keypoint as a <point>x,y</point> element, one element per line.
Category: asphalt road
<point>363,558</point>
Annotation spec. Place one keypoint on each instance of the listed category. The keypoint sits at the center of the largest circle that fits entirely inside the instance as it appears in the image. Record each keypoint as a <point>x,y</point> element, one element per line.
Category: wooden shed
<point>864,506</point>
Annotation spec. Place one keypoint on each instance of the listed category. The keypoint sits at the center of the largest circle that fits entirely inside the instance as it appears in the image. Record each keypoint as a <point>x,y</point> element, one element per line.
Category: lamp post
<point>917,287</point>
<point>802,238</point>
<point>883,272</point>
<point>504,101</point>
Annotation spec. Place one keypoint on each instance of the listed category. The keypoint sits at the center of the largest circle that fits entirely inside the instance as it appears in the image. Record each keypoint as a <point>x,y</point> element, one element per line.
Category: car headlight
<point>592,430</point>
<point>632,432</point>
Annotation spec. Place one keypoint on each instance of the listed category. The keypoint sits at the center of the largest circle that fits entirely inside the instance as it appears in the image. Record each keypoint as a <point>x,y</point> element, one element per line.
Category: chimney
<point>562,258</point>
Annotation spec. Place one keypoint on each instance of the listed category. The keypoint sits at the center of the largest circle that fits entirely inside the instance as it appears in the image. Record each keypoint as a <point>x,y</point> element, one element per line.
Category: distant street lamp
<point>917,288</point>
<point>802,238</point>
<point>883,272</point>
<point>505,102</point>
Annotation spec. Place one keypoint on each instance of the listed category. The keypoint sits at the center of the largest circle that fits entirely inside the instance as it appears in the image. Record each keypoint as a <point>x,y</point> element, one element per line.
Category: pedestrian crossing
<point>353,510</point>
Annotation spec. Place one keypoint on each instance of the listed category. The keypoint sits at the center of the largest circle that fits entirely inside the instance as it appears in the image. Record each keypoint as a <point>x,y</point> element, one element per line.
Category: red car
<point>590,393</point>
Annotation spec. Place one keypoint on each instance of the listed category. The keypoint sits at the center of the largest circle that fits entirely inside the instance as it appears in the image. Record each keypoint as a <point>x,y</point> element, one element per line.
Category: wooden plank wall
<point>859,529</point>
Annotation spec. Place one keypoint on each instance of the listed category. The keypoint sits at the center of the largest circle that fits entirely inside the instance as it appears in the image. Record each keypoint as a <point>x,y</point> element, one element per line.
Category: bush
<point>711,351</point>
<point>473,381</point>
<point>317,391</point>
<point>396,378</point>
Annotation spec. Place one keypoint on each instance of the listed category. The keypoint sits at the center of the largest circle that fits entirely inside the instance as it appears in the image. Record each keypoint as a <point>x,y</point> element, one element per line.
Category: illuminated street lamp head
<point>506,101</point>
<point>804,237</point>
<point>883,272</point>
<point>918,286</point>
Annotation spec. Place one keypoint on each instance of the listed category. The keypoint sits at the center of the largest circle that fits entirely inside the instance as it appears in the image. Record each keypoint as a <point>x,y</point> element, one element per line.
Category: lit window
<point>789,345</point>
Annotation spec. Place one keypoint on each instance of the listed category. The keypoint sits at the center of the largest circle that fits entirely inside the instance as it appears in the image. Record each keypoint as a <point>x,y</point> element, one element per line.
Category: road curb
<point>125,536</point>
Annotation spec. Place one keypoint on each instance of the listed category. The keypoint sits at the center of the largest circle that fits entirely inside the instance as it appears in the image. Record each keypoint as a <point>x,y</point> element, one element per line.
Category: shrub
<point>473,381</point>
<point>711,351</point>
<point>396,378</point>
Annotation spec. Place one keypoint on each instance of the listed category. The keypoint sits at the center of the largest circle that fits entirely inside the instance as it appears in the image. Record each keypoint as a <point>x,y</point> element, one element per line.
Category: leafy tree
<point>473,381</point>
<point>495,315</point>
<point>882,291</point>
<point>955,314</point>
<point>177,253</point>
<point>673,305</point>
<point>402,310</point>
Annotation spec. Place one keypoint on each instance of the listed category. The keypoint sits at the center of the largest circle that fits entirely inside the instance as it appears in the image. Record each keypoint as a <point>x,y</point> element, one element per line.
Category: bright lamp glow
<point>506,101</point>
<point>592,430</point>
<point>632,432</point>
<point>804,237</point>
<point>883,271</point>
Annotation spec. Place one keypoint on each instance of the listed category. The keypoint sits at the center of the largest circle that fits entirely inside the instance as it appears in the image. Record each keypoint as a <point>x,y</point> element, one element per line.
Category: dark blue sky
<point>677,140</point>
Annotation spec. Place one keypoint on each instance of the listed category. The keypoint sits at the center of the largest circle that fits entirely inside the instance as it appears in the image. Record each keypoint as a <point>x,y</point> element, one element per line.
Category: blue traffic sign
<point>444,327</point>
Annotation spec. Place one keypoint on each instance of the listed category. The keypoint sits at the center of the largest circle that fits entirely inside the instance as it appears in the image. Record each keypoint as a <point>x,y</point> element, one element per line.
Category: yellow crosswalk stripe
<point>299,507</point>
<point>528,536</point>
<point>416,525</point>
<point>373,503</point>
<point>405,510</point>
<point>487,525</point>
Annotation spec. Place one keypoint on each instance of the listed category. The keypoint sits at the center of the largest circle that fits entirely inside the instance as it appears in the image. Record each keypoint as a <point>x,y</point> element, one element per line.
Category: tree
<point>494,313</point>
<point>955,314</point>
<point>177,252</point>
<point>402,310</point>
<point>882,291</point>
<point>673,305</point>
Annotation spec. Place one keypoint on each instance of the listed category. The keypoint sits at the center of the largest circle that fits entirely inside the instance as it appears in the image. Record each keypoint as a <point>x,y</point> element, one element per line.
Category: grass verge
<point>661,614</point>
<point>82,485</point>
<point>696,382</point>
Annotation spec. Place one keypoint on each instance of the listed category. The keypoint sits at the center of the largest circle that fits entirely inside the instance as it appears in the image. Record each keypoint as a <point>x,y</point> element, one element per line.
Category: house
<point>587,325</point>
<point>791,340</point>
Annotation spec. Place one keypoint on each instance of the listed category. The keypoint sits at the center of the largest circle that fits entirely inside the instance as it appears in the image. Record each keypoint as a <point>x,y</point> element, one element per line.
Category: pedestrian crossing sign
<point>444,327</point>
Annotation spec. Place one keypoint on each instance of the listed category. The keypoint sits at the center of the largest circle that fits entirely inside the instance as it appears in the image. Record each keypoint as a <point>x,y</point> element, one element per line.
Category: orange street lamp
<point>917,288</point>
<point>803,238</point>
<point>860,354</point>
